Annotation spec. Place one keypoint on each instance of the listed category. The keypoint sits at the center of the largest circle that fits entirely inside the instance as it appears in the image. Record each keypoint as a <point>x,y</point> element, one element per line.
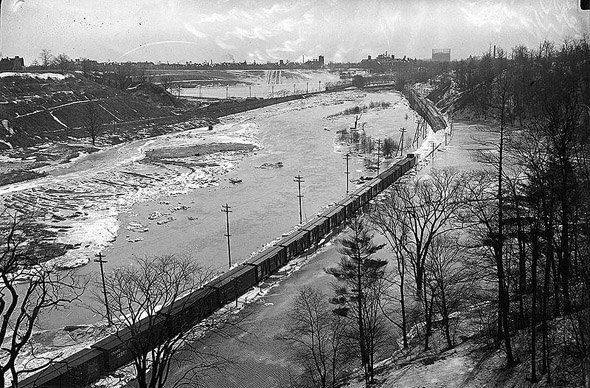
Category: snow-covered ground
<point>43,76</point>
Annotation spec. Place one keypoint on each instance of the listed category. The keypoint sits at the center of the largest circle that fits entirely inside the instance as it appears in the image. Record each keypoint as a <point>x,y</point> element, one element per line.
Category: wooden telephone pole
<point>378,159</point>
<point>299,179</point>
<point>347,157</point>
<point>101,261</point>
<point>401,141</point>
<point>225,208</point>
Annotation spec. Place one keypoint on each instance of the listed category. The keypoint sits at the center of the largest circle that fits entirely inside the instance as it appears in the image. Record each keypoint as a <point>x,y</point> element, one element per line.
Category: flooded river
<point>299,134</point>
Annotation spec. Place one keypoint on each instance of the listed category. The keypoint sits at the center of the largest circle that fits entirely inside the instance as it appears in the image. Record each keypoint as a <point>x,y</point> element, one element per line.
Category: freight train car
<point>295,243</point>
<point>335,215</point>
<point>233,283</point>
<point>268,261</point>
<point>192,308</point>
<point>350,205</point>
<point>318,228</point>
<point>115,349</point>
<point>77,370</point>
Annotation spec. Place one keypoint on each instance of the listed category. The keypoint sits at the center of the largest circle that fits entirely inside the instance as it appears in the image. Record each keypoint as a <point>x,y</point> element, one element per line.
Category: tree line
<point>539,100</point>
<point>498,254</point>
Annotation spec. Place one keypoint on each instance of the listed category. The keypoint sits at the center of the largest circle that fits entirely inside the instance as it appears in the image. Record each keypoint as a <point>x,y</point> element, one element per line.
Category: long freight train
<point>112,352</point>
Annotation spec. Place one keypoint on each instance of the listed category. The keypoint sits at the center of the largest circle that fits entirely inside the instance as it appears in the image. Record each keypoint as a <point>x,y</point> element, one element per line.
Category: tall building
<point>321,60</point>
<point>441,55</point>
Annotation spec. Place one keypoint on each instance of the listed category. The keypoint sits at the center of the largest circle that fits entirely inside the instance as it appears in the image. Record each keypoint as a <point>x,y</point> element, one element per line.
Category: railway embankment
<point>426,109</point>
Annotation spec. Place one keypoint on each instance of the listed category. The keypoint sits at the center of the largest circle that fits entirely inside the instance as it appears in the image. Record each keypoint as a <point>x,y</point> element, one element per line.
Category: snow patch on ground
<point>43,76</point>
<point>58,120</point>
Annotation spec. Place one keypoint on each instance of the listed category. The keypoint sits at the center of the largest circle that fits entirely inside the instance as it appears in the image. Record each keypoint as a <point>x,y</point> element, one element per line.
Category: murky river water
<point>264,205</point>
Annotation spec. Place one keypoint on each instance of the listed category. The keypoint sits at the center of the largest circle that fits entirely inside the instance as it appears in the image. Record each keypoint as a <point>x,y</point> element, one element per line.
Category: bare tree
<point>419,212</point>
<point>143,298</point>
<point>391,225</point>
<point>46,58</point>
<point>123,75</point>
<point>358,290</point>
<point>166,82</point>
<point>21,305</point>
<point>318,336</point>
<point>452,279</point>
<point>92,122</point>
<point>88,67</point>
<point>62,62</point>
<point>426,208</point>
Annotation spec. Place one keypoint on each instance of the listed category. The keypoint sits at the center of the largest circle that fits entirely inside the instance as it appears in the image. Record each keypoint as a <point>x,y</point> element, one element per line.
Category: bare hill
<point>40,107</point>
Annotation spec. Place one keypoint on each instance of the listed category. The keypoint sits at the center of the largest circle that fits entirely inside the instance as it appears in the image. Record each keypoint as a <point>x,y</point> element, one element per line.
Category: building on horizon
<point>315,63</point>
<point>441,55</point>
<point>12,64</point>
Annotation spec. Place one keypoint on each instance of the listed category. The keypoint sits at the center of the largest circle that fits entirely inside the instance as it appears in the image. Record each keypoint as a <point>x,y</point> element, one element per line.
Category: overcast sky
<point>269,30</point>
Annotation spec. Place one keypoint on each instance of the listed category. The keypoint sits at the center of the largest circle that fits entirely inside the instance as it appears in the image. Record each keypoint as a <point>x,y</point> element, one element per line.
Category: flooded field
<point>260,84</point>
<point>258,356</point>
<point>124,204</point>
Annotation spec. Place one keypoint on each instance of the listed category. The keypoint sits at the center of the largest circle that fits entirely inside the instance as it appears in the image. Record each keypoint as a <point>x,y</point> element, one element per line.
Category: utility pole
<point>250,87</point>
<point>319,86</point>
<point>299,179</point>
<point>401,141</point>
<point>293,89</point>
<point>227,92</point>
<point>347,157</point>
<point>225,209</point>
<point>307,88</point>
<point>101,261</point>
<point>378,151</point>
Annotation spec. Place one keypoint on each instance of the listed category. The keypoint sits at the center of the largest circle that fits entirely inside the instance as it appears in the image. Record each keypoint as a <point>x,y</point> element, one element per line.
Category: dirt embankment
<point>41,108</point>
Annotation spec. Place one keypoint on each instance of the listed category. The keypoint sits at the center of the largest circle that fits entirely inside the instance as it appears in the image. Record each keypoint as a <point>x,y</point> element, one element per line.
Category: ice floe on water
<point>83,200</point>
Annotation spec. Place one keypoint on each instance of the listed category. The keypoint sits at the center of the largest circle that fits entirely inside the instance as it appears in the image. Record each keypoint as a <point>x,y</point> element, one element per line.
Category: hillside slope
<point>40,107</point>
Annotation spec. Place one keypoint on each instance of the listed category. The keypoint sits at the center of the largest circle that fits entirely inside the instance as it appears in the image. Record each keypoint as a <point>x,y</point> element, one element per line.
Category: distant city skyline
<point>252,30</point>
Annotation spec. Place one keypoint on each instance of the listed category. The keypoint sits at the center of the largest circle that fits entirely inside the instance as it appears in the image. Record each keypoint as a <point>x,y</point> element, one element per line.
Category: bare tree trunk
<point>403,307</point>
<point>535,257</point>
<point>428,309</point>
<point>445,317</point>
<point>503,294</point>
<point>361,323</point>
<point>546,364</point>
